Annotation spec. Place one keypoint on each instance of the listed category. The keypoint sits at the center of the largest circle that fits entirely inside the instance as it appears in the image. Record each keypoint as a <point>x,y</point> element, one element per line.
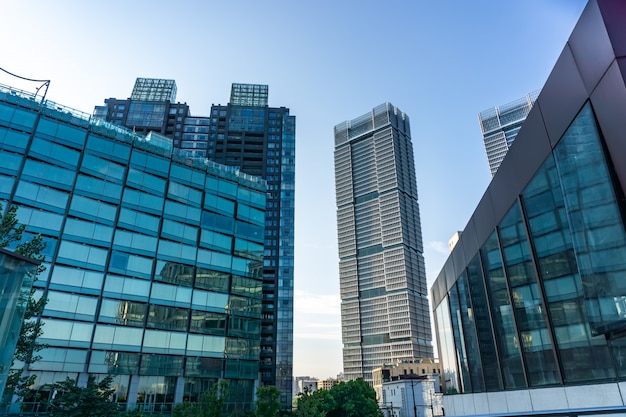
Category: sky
<point>440,62</point>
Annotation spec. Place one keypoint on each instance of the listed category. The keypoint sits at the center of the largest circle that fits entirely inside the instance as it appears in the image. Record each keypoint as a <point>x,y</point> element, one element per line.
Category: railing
<point>141,409</point>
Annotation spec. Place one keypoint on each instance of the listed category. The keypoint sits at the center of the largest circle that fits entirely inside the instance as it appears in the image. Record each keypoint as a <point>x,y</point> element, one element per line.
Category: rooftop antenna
<point>46,83</point>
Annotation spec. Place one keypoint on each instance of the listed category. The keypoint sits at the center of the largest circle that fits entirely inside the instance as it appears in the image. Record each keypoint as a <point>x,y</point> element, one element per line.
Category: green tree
<point>267,404</point>
<point>27,345</point>
<point>210,404</point>
<point>354,399</point>
<point>315,404</point>
<point>346,399</point>
<point>70,400</point>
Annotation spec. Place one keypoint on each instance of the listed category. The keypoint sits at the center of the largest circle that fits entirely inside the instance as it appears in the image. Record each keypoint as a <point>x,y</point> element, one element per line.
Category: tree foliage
<point>210,404</point>
<point>11,232</point>
<point>346,399</point>
<point>267,404</point>
<point>70,400</point>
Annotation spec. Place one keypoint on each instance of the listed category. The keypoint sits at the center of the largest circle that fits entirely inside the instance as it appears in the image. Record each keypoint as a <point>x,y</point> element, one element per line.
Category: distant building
<point>411,396</point>
<point>17,274</point>
<point>307,385</point>
<point>327,383</point>
<point>384,302</point>
<point>500,125</point>
<point>530,307</point>
<point>454,240</point>
<point>393,371</point>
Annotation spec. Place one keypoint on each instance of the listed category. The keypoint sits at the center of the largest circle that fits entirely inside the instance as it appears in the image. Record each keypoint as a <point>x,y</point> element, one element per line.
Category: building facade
<point>400,369</point>
<point>154,262</point>
<point>411,396</point>
<point>260,140</point>
<point>529,307</point>
<point>500,125</point>
<point>384,304</point>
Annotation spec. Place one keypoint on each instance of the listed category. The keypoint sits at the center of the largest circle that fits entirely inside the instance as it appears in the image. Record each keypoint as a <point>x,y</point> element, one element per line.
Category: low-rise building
<point>418,366</point>
<point>411,395</point>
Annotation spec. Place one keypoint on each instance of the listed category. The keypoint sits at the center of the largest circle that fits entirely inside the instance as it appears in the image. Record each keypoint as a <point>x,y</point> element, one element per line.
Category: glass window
<point>108,148</point>
<point>170,295</point>
<point>99,189</point>
<point>212,280</point>
<point>134,265</point>
<point>78,280</point>
<point>70,306</point>
<point>101,168</point>
<point>90,209</point>
<point>503,321</point>
<point>581,354</point>
<point>208,323</point>
<point>596,222</point>
<point>135,243</point>
<point>127,288</point>
<point>122,312</point>
<point>176,251</point>
<point>204,345</point>
<point>59,359</point>
<point>217,241</point>
<point>182,212</point>
<point>530,316</point>
<point>13,140</point>
<point>117,338</point>
<point>85,256</point>
<point>138,221</point>
<point>175,273</point>
<point>150,163</point>
<point>66,333</point>
<point>446,343</point>
<point>40,221</point>
<point>87,232</point>
<point>53,153</point>
<point>112,363</point>
<point>160,365</point>
<point>62,133</point>
<point>44,173</point>
<point>179,232</point>
<point>168,318</point>
<point>184,194</point>
<point>146,182</point>
<point>158,341</point>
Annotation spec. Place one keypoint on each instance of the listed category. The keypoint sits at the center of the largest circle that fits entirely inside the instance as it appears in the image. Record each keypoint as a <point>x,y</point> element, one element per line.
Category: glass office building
<point>260,141</point>
<point>384,303</point>
<point>530,308</point>
<point>154,262</point>
<point>500,125</point>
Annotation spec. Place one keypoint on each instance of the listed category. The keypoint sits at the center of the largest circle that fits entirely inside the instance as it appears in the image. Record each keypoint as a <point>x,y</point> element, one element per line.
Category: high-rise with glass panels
<point>500,125</point>
<point>384,303</point>
<point>154,261</point>
<point>530,307</point>
<point>260,140</point>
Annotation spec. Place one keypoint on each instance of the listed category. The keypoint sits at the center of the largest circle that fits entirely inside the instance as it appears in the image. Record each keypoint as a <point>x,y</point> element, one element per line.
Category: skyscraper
<point>500,125</point>
<point>384,304</point>
<point>154,262</point>
<point>260,140</point>
<point>530,307</point>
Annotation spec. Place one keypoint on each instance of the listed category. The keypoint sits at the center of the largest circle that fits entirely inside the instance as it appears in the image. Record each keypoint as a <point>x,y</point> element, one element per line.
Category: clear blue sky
<point>441,62</point>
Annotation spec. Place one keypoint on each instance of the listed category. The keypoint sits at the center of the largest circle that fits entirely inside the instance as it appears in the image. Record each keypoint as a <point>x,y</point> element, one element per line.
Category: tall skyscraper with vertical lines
<point>384,304</point>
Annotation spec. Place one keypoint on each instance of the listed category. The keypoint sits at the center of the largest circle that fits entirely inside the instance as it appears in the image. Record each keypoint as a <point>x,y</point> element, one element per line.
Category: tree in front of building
<point>267,403</point>
<point>210,404</point>
<point>346,399</point>
<point>27,345</point>
<point>68,399</point>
